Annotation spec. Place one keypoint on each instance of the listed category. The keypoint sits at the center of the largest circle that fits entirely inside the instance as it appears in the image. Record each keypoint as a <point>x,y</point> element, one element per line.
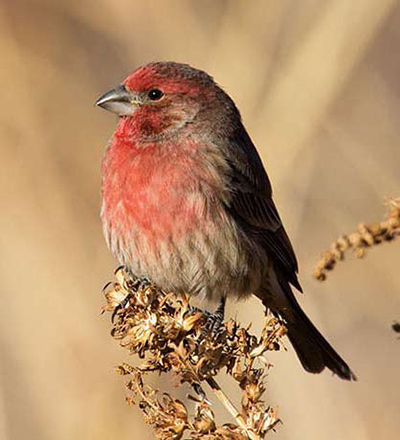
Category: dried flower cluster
<point>365,237</point>
<point>167,335</point>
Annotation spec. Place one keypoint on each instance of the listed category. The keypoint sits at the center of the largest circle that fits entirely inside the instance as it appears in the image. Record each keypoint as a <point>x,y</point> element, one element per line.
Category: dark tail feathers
<point>314,351</point>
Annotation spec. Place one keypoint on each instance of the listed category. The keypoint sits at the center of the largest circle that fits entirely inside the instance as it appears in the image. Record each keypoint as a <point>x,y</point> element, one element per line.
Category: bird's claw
<point>192,310</point>
<point>213,325</point>
<point>120,306</point>
<point>134,286</point>
<point>140,283</point>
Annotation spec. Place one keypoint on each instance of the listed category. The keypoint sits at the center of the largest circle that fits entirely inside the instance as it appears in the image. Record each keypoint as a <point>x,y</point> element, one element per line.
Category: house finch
<point>188,204</point>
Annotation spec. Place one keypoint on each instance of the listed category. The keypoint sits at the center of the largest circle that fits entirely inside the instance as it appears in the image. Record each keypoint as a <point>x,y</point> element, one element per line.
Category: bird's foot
<point>192,310</point>
<point>139,283</point>
<point>213,325</point>
<point>120,306</point>
<point>133,286</point>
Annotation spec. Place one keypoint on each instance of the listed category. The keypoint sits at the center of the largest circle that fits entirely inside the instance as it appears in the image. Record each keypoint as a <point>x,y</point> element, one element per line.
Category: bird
<point>187,202</point>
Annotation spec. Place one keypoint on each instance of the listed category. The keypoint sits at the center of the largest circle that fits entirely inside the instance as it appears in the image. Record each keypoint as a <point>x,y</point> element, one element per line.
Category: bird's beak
<point>119,101</point>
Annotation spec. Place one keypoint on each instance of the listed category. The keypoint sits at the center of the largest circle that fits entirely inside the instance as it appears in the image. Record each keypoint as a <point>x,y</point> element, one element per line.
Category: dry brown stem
<point>164,332</point>
<point>358,241</point>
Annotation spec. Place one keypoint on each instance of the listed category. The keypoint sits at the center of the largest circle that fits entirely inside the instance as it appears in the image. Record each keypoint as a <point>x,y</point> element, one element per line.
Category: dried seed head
<point>204,421</point>
<point>159,328</point>
<point>365,237</point>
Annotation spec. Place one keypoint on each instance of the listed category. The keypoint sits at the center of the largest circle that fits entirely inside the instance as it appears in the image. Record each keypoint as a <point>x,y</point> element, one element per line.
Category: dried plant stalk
<point>365,237</point>
<point>164,332</point>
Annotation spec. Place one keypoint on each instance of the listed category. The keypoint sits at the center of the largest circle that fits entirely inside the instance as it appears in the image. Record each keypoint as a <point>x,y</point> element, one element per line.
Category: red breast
<point>159,189</point>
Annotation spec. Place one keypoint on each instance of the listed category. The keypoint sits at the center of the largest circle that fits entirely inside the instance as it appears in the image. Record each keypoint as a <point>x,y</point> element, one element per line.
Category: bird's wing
<point>252,206</point>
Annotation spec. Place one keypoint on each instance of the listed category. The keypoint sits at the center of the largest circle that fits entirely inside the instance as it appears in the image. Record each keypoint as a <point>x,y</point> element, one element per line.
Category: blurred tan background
<point>318,84</point>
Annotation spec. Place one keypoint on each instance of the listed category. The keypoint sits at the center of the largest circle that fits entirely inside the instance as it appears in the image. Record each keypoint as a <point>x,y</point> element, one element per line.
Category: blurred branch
<point>366,236</point>
<point>164,331</point>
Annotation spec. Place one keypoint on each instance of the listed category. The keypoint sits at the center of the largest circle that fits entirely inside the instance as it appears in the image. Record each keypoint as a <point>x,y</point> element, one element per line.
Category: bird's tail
<point>313,350</point>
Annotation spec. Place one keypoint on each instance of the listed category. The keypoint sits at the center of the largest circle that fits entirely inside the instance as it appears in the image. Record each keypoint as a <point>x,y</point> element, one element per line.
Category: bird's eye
<point>155,94</point>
